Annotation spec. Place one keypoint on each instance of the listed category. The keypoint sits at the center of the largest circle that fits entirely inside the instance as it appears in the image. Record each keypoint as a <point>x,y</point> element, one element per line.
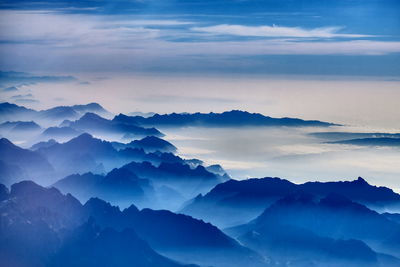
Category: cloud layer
<point>277,31</point>
<point>53,40</point>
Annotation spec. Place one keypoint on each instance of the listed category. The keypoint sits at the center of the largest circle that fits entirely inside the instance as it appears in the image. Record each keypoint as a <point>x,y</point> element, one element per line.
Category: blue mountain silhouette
<point>228,118</point>
<point>149,144</point>
<point>179,176</point>
<point>167,185</point>
<point>65,231</point>
<point>338,136</point>
<point>9,111</point>
<point>17,163</point>
<point>19,126</point>
<point>235,202</point>
<point>334,217</point>
<point>119,186</point>
<point>42,227</point>
<point>93,123</point>
<point>376,141</point>
<point>60,132</point>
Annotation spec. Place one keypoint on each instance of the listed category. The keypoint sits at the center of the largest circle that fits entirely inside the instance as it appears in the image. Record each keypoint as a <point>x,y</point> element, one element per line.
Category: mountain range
<point>166,186</point>
<point>89,167</point>
<point>235,202</point>
<point>376,141</point>
<point>49,161</point>
<point>338,136</point>
<point>88,154</point>
<point>118,194</point>
<point>94,124</point>
<point>13,112</point>
<point>19,126</point>
<point>17,163</point>
<point>149,144</point>
<point>62,123</point>
<point>328,231</point>
<point>232,118</point>
<point>68,233</point>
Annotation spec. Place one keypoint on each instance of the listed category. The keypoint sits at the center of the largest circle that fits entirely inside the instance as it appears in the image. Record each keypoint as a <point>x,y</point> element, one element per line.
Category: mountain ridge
<point>227,118</point>
<point>235,202</point>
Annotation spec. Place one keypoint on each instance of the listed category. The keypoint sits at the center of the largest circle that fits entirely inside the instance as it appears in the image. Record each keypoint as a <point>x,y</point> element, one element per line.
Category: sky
<point>343,37</point>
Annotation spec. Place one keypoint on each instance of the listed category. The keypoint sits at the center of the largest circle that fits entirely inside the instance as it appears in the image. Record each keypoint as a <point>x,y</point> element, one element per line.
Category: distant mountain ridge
<point>338,136</point>
<point>9,111</point>
<point>20,126</point>
<point>360,139</point>
<point>95,124</point>
<point>60,132</point>
<point>148,144</point>
<point>377,141</point>
<point>64,122</point>
<point>225,119</point>
<point>19,130</point>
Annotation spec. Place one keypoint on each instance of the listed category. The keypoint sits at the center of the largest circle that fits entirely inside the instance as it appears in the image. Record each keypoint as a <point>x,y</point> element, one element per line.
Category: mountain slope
<point>16,127</point>
<point>79,155</point>
<point>42,227</point>
<point>18,161</point>
<point>177,236</point>
<point>89,245</point>
<point>179,176</point>
<point>334,217</point>
<point>119,186</point>
<point>166,186</point>
<point>14,112</point>
<point>62,232</point>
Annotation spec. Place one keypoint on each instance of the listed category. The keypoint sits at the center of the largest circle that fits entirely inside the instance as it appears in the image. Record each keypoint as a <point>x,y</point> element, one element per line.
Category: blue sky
<point>344,37</point>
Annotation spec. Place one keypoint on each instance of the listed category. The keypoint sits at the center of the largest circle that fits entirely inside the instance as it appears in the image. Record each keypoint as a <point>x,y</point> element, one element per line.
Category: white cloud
<point>120,42</point>
<point>276,31</point>
<point>290,47</point>
<point>65,30</point>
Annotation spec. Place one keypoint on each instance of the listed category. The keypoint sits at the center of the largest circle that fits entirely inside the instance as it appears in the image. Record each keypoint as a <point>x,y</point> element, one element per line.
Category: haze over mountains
<point>88,186</point>
<point>235,202</point>
<point>199,133</point>
<point>14,112</point>
<point>360,139</point>
<point>65,122</point>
